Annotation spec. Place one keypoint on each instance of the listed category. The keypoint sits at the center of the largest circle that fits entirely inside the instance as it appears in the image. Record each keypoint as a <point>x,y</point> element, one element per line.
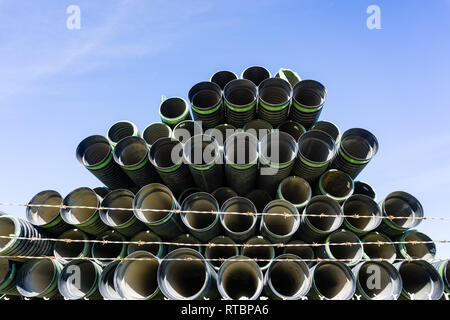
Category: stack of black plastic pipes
<point>255,196</point>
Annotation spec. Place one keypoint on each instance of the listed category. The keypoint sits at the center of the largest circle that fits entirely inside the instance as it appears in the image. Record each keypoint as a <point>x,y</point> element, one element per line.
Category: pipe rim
<point>308,248</point>
<point>242,84</point>
<point>27,269</point>
<point>223,192</point>
<point>412,202</point>
<point>187,150</point>
<point>17,233</point>
<point>364,185</point>
<point>384,238</point>
<point>192,243</point>
<point>328,127</point>
<point>334,205</point>
<point>403,247</point>
<point>364,136</point>
<point>173,120</point>
<point>300,180</point>
<point>108,202</point>
<point>153,152</point>
<point>63,283</point>
<point>292,125</point>
<point>105,289</point>
<point>121,149</point>
<point>232,201</point>
<point>203,86</point>
<point>344,269</point>
<point>373,207</point>
<point>110,235</point>
<point>30,211</point>
<point>287,205</point>
<point>231,141</point>
<point>282,137</point>
<point>153,125</point>
<point>358,255</point>
<point>323,138</point>
<point>199,196</point>
<point>335,172</point>
<point>146,234</point>
<point>259,240</point>
<point>304,288</point>
<point>135,131</point>
<point>89,142</point>
<point>84,252</point>
<point>261,69</point>
<point>192,131</point>
<point>277,83</point>
<point>311,85</point>
<point>229,73</point>
<point>66,213</point>
<point>220,240</point>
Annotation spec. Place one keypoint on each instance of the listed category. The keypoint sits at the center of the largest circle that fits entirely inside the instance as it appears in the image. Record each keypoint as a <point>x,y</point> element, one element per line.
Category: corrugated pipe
<point>203,156</point>
<point>332,280</point>
<point>138,279</point>
<point>303,252</point>
<point>421,281</point>
<point>102,253</point>
<point>400,204</point>
<point>188,241</point>
<point>174,110</point>
<point>293,128</point>
<point>47,218</point>
<point>186,193</point>
<point>156,131</point>
<point>123,221</point>
<point>222,194</point>
<point>186,130</point>
<point>330,128</point>
<point>277,228</point>
<point>308,99</point>
<point>8,272</point>
<point>166,224</point>
<point>357,148</point>
<point>80,279</point>
<point>256,74</point>
<point>39,278</point>
<point>364,188</point>
<point>101,191</point>
<point>221,78</point>
<point>166,155</point>
<point>240,280</point>
<point>241,162</point>
<point>367,209</point>
<point>288,75</point>
<point>238,227</point>
<point>379,251</point>
<point>120,130</point>
<point>354,252</point>
<point>240,97</point>
<point>203,226</point>
<point>316,149</point>
<point>443,268</point>
<point>63,250</point>
<point>262,252</point>
<point>96,154</point>
<point>335,184</point>
<point>277,152</point>
<point>220,252</point>
<point>131,155</point>
<point>221,133</point>
<point>87,220</point>
<point>186,279</point>
<point>106,283</point>
<point>413,250</point>
<point>260,198</point>
<point>158,250</point>
<point>314,228</point>
<point>296,190</point>
<point>275,96</point>
<point>18,228</point>
<point>377,280</point>
<point>258,128</point>
<point>206,104</point>
<point>287,280</point>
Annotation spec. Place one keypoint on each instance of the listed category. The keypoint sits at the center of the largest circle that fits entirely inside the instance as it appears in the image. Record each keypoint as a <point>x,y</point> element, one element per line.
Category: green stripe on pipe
<point>11,276</point>
<point>310,164</point>
<point>346,157</point>
<point>242,167</point>
<point>251,106</point>
<point>53,223</point>
<point>272,108</point>
<point>138,166</point>
<point>173,120</point>
<point>303,109</point>
<point>169,169</point>
<point>104,164</point>
<point>206,167</point>
<point>214,109</point>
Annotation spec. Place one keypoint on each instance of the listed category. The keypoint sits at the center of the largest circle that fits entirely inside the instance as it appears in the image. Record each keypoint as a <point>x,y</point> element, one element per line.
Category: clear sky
<point>58,86</point>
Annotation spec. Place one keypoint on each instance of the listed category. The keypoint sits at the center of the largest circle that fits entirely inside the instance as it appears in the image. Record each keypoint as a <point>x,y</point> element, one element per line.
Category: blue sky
<point>58,86</point>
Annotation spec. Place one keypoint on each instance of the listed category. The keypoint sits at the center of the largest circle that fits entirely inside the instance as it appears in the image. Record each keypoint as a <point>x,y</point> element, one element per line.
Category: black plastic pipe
<point>240,97</point>
<point>295,129</point>
<point>185,130</point>
<point>120,130</point>
<point>366,211</point>
<point>156,131</point>
<point>174,110</point>
<point>221,78</point>
<point>335,184</point>
<point>330,128</point>
<point>222,194</point>
<point>274,101</point>
<point>364,188</point>
<point>206,104</point>
<point>260,198</point>
<point>307,102</point>
<point>258,127</point>
<point>256,74</point>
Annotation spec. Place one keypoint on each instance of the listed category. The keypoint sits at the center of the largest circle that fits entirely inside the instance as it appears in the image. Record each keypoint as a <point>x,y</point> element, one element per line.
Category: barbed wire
<point>211,245</point>
<point>178,211</point>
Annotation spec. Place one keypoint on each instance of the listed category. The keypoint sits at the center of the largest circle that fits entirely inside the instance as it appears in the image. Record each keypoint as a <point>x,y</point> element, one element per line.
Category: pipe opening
<point>206,99</point>
<point>166,153</point>
<point>405,206</point>
<point>364,189</point>
<point>117,199</point>
<point>186,129</point>
<point>130,151</point>
<point>304,252</point>
<point>359,144</point>
<point>353,252</point>
<point>256,74</point>
<point>70,249</point>
<point>156,131</point>
<point>366,208</point>
<point>327,127</point>
<point>420,250</point>
<point>325,224</point>
<point>280,225</point>
<point>238,222</point>
<point>420,280</point>
<point>157,199</point>
<point>296,190</point>
<point>93,151</point>
<point>189,240</point>
<point>87,280</point>
<point>333,281</point>
<point>221,133</point>
<point>258,128</point>
<point>259,252</point>
<point>106,285</point>
<point>145,236</point>
<point>310,93</point>
<point>374,251</point>
<point>287,277</point>
<point>43,215</point>
<point>199,220</point>
<point>240,92</point>
<point>336,183</point>
<point>260,198</point>
<point>80,197</point>
<point>104,252</point>
<point>186,278</point>
<point>386,281</point>
<point>241,149</point>
<point>221,78</point>
<point>275,91</point>
<point>316,146</point>
<point>138,279</point>
<point>221,252</point>
<point>222,194</point>
<point>240,280</point>
<point>120,130</point>
<point>293,128</point>
<point>172,108</point>
<point>7,227</point>
<point>36,277</point>
<point>278,148</point>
